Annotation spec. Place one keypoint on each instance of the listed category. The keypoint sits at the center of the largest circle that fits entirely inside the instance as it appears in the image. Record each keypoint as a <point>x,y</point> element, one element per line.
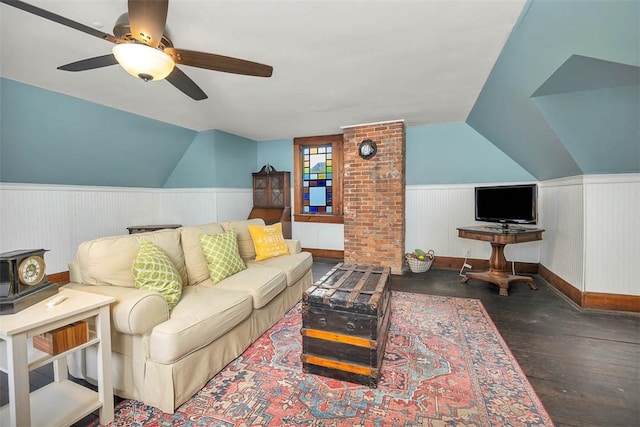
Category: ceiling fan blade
<point>90,64</point>
<point>214,62</point>
<point>183,83</point>
<point>59,19</point>
<point>147,19</point>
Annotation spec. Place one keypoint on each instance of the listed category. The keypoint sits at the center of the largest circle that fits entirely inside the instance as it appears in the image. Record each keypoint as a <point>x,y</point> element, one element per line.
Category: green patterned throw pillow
<point>221,252</point>
<point>154,271</point>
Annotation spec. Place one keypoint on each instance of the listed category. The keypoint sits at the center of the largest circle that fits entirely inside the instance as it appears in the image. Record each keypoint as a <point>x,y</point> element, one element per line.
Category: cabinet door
<point>276,187</point>
<point>260,191</point>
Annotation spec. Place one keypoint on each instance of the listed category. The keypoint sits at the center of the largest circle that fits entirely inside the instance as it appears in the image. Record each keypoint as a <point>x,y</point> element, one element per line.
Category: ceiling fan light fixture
<point>143,61</point>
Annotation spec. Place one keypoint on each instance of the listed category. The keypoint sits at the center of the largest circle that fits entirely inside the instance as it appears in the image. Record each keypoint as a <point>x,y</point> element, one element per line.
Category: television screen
<point>516,204</point>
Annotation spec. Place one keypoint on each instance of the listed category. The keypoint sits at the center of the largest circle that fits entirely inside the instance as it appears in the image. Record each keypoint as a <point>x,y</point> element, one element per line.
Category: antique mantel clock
<point>23,280</point>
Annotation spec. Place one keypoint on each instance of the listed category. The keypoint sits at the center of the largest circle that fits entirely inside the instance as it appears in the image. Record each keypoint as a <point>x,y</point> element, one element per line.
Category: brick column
<point>374,196</point>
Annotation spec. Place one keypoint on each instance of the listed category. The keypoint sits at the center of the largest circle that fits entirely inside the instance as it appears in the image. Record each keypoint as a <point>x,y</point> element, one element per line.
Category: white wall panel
<point>591,237</point>
<point>233,204</point>
<point>177,207</point>
<point>314,235</point>
<point>59,218</point>
<point>434,214</point>
<point>612,209</point>
<point>213,205</point>
<point>592,231</point>
<point>562,216</point>
<point>427,218</point>
<point>29,220</point>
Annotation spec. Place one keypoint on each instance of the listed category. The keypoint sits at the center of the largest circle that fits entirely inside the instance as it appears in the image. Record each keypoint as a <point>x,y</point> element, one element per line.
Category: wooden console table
<point>499,237</point>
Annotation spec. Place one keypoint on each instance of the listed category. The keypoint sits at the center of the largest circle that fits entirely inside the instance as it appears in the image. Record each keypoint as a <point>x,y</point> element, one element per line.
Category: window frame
<point>337,143</point>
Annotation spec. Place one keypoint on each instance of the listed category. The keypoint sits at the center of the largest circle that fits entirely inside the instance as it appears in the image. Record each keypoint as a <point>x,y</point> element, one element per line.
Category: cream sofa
<point>162,358</point>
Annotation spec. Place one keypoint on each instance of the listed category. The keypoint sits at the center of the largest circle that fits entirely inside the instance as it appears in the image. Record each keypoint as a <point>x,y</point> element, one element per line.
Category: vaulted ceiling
<point>335,62</point>
<point>553,84</point>
<point>564,97</point>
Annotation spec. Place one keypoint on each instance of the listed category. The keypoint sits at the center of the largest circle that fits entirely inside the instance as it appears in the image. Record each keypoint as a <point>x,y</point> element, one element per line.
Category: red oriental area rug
<point>445,365</point>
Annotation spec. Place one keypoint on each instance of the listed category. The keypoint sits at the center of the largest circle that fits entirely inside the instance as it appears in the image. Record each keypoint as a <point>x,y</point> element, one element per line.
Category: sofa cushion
<point>268,241</point>
<point>221,253</point>
<point>154,271</point>
<point>294,266</point>
<point>108,260</point>
<point>245,242</point>
<point>195,262</point>
<point>263,284</point>
<point>203,315</point>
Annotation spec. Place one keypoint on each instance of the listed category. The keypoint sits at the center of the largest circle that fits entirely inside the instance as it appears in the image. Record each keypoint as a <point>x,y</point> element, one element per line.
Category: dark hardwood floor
<point>583,364</point>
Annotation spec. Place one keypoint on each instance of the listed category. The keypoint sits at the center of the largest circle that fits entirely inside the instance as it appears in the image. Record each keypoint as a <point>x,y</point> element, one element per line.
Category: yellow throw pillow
<point>268,241</point>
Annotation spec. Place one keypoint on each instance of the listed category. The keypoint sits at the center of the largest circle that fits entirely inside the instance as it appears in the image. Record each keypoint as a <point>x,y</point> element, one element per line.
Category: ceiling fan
<point>144,50</point>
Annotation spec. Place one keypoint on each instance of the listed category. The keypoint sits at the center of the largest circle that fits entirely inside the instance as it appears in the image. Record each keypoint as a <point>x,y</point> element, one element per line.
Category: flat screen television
<point>507,204</point>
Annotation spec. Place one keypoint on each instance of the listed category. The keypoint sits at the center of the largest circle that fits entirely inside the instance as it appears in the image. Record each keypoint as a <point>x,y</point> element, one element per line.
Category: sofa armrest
<point>294,246</point>
<point>135,311</point>
<point>74,272</point>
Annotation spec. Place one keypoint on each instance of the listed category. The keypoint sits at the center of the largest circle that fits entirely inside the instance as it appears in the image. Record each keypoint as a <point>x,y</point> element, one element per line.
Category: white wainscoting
<point>59,217</point>
<point>592,238</point>
<point>204,205</point>
<point>612,233</point>
<point>315,235</point>
<point>562,213</point>
<point>434,212</point>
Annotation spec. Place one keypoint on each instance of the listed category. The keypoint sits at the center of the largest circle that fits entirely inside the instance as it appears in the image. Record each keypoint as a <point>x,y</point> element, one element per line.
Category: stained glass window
<point>317,179</point>
<point>317,165</point>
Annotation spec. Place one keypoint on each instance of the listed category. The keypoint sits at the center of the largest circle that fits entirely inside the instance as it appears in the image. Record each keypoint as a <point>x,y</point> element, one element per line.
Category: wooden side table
<point>62,402</point>
<point>498,273</point>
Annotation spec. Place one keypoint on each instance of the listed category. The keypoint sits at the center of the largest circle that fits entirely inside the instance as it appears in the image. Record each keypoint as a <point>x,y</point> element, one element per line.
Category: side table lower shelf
<point>58,404</point>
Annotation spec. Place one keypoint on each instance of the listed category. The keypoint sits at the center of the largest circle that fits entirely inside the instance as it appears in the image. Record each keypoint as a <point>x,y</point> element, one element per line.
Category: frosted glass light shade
<point>143,61</point>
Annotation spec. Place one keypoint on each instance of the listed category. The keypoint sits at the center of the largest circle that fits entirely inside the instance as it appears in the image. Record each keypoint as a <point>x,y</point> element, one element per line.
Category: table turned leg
<point>498,262</point>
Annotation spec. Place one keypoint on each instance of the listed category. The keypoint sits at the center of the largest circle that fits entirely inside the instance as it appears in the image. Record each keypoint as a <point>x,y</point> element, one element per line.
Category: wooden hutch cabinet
<point>272,198</point>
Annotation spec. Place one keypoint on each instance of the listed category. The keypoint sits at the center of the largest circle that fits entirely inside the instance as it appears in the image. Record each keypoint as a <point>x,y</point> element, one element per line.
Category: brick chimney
<point>374,196</point>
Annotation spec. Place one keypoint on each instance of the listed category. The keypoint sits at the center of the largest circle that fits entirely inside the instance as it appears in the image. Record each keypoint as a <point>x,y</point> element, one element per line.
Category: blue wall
<point>450,153</point>
<point>454,153</point>
<point>49,138</point>
<point>607,143</point>
<point>55,139</point>
<point>531,108</point>
<point>197,166</point>
<point>235,160</point>
<point>278,153</point>
<point>563,99</point>
<point>216,159</point>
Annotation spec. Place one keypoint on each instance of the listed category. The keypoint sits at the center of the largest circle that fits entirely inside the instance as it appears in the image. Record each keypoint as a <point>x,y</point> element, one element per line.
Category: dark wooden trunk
<point>345,321</point>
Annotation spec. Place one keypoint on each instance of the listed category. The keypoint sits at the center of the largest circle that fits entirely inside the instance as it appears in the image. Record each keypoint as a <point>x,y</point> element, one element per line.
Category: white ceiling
<point>336,63</point>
